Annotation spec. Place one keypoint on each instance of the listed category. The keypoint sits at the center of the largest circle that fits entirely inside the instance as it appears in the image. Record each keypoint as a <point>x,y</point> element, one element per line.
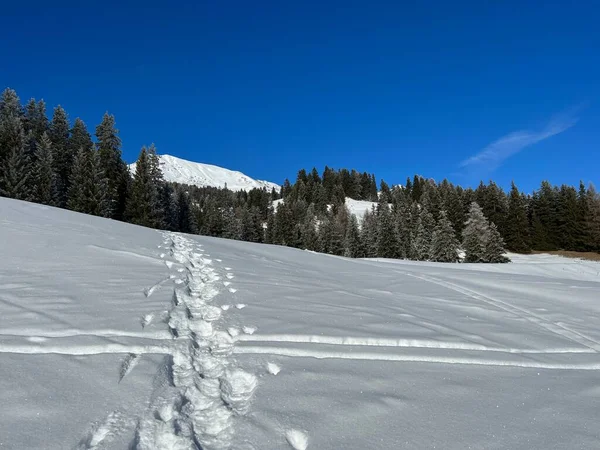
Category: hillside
<point>179,170</point>
<point>115,336</point>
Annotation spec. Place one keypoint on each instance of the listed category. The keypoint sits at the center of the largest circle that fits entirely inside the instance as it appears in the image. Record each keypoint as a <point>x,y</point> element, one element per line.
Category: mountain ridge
<point>179,170</point>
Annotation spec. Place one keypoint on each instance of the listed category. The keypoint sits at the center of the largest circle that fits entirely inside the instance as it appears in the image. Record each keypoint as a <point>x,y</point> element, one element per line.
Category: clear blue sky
<point>464,90</point>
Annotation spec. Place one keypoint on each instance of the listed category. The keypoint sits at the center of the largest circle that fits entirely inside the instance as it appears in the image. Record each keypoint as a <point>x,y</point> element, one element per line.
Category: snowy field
<point>114,336</point>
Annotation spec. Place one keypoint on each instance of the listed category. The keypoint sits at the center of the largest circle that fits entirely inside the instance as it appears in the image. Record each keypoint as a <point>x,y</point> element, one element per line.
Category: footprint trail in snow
<point>207,391</point>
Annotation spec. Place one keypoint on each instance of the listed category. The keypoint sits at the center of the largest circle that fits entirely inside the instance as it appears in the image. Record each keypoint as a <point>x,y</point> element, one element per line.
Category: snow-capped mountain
<point>179,170</point>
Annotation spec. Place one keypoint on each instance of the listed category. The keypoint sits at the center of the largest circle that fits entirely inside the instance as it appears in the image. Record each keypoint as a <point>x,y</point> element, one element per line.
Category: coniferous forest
<point>57,162</point>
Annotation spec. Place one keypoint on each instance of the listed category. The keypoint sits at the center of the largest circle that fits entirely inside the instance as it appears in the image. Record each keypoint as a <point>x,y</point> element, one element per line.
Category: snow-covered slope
<point>179,170</point>
<point>356,207</point>
<point>114,336</point>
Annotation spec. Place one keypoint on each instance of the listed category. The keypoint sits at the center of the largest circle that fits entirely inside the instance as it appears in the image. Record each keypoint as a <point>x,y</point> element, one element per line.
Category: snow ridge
<point>207,389</point>
<point>179,170</point>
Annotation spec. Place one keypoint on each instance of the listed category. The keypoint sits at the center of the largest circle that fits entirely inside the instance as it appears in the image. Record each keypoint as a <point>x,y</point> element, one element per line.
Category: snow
<point>356,207</point>
<point>359,207</point>
<point>179,170</point>
<point>103,345</point>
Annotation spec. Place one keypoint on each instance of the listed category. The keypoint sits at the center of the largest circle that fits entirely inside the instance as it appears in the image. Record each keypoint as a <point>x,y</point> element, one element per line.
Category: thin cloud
<point>492,156</point>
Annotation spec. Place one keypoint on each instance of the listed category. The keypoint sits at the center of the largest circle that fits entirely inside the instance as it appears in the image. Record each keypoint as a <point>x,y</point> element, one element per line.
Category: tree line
<point>52,162</point>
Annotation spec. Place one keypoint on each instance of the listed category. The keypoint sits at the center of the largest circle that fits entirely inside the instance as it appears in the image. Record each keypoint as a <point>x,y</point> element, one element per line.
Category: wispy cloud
<point>492,156</point>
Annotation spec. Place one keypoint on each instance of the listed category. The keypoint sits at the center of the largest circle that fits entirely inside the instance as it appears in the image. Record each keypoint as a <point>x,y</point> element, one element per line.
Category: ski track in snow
<point>557,329</point>
<point>208,392</point>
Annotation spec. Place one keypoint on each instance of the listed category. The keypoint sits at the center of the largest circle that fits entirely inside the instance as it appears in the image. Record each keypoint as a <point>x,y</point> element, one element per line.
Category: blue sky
<point>463,90</point>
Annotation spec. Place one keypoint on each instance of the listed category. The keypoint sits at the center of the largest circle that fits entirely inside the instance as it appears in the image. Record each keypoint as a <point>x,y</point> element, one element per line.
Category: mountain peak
<point>179,170</point>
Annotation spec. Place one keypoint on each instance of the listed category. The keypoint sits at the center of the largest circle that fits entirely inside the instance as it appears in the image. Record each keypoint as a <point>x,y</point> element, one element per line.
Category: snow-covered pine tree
<point>44,176</point>
<point>270,226</point>
<point>494,247</point>
<point>308,230</point>
<point>444,245</point>
<point>475,235</point>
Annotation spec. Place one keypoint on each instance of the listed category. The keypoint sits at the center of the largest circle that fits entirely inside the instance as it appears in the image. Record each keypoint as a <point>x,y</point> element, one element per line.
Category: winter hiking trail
<point>201,392</point>
<point>206,392</point>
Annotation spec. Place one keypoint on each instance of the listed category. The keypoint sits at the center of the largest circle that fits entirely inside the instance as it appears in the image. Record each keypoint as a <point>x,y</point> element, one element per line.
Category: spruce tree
<point>44,177</point>
<point>11,125</point>
<point>387,236</point>
<point>185,217</point>
<point>475,235</point>
<point>444,245</point>
<point>63,155</point>
<point>517,225</point>
<point>269,231</point>
<point>79,138</point>
<point>352,245</point>
<point>88,185</point>
<point>143,207</point>
<point>16,172</point>
<point>368,234</point>
<point>115,169</point>
<point>168,207</point>
<point>421,242</point>
<point>494,247</point>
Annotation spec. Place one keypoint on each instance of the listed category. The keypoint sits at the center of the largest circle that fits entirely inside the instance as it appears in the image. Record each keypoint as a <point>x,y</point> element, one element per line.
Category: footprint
<point>226,283</point>
<point>219,260</point>
<point>240,306</point>
<point>233,331</point>
<point>230,276</point>
<point>297,439</point>
<point>249,330</point>
<point>128,364</point>
<point>273,368</point>
<point>227,268</point>
<point>232,290</point>
<point>169,264</point>
<point>225,307</point>
<point>162,255</point>
<point>146,320</point>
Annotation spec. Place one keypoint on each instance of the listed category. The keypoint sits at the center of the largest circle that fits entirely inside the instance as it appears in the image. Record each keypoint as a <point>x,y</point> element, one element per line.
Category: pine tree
<point>475,235</point>
<point>308,230</point>
<point>593,219</point>
<point>143,207</point>
<point>115,169</point>
<point>62,156</point>
<point>368,234</point>
<point>14,177</point>
<point>168,207</point>
<point>421,242</point>
<point>352,244</point>
<point>44,176</point>
<point>11,125</point>
<point>517,224</point>
<point>444,245</point>
<point>88,185</point>
<point>387,236</point>
<point>331,237</point>
<point>494,247</point>
<point>269,231</point>
<point>79,138</point>
<point>185,217</point>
